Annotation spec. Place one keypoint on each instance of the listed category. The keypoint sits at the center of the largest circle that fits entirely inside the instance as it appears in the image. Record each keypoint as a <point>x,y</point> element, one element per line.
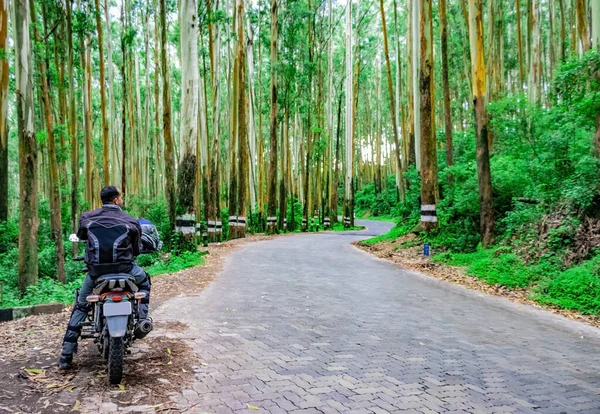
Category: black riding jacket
<point>113,239</point>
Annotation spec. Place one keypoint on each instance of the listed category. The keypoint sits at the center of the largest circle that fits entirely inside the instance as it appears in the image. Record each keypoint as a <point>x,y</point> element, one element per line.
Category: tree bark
<point>242,126</point>
<point>105,148</point>
<point>582,25</point>
<point>534,84</point>
<point>55,212</point>
<point>428,150</point>
<point>349,117</point>
<point>188,23</point>
<point>520,44</point>
<point>446,87</point>
<point>483,157</point>
<point>72,129</point>
<point>400,188</point>
<point>169,155</point>
<point>87,122</point>
<point>4,72</point>
<point>28,173</point>
<point>595,24</point>
<point>272,199</point>
<point>416,89</point>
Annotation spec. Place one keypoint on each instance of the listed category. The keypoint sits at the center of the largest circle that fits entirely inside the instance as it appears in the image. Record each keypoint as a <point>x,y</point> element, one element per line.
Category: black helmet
<point>150,238</point>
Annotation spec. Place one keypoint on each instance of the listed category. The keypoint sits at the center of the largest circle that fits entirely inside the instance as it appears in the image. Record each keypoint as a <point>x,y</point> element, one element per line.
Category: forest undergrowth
<point>546,181</point>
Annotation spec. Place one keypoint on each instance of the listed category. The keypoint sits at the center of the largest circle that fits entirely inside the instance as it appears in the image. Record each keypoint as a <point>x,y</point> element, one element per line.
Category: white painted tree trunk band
<point>428,213</point>
<point>185,224</point>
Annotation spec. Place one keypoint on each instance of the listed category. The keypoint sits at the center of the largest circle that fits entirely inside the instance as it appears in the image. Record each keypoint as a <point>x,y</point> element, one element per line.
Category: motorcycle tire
<point>115,360</point>
<point>105,347</point>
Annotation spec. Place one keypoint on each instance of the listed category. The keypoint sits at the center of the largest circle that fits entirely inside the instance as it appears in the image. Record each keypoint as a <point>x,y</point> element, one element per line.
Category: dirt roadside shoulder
<point>157,366</point>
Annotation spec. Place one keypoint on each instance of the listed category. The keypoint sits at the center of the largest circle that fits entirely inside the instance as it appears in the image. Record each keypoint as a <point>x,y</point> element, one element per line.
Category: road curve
<point>311,324</point>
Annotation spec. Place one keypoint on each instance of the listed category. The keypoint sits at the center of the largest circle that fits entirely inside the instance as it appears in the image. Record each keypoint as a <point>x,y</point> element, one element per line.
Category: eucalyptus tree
<point>4,73</point>
<point>53,178</point>
<point>28,165</point>
<point>188,27</point>
<point>481,132</point>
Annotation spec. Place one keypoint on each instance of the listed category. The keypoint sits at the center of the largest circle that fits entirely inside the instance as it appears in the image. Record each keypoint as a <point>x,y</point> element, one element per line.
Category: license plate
<point>117,309</point>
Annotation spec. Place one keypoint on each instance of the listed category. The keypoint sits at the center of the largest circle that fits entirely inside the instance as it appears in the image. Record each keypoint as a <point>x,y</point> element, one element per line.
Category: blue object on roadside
<point>426,249</point>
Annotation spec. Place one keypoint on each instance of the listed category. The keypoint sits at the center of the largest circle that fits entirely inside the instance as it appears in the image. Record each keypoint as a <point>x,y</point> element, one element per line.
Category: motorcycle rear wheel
<point>115,360</point>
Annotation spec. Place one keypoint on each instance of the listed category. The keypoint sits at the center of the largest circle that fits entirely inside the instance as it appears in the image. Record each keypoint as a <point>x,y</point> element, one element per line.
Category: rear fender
<point>117,317</point>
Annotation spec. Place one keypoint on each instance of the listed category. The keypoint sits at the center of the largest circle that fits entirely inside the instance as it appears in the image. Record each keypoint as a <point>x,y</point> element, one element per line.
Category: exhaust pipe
<point>143,328</point>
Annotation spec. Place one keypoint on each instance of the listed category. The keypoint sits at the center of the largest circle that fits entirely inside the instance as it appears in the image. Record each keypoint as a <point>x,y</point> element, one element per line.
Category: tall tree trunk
<point>234,129</point>
<point>111,104</point>
<point>124,100</point>
<point>479,90</point>
<point>349,117</point>
<point>272,199</point>
<point>416,91</point>
<point>399,94</point>
<point>169,155</point>
<point>534,84</point>
<point>400,181</point>
<point>3,111</point>
<point>87,122</point>
<point>428,150</point>
<point>563,53</point>
<point>409,84</point>
<point>213,212</point>
<point>188,23</point>
<point>582,25</point>
<point>242,126</point>
<point>28,173</point>
<point>330,95</point>
<point>595,24</point>
<point>378,132</point>
<point>55,213</point>
<point>252,136</point>
<point>105,148</point>
<point>446,86</point>
<point>520,44</point>
<point>72,130</point>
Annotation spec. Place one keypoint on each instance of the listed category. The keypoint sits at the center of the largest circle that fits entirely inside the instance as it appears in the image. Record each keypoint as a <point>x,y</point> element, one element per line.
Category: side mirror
<point>73,238</point>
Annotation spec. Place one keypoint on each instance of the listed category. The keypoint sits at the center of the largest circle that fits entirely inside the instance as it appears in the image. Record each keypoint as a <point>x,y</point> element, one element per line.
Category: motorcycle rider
<point>113,241</point>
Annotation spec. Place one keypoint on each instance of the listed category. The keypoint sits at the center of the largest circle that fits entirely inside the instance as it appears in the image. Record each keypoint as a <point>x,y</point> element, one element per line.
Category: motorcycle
<point>113,321</point>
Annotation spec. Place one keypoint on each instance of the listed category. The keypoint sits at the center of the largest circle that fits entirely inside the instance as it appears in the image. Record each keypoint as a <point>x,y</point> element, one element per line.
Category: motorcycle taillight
<point>116,298</point>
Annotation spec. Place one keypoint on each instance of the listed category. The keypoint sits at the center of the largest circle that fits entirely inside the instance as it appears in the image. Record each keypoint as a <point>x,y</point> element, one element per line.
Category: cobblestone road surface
<point>310,324</point>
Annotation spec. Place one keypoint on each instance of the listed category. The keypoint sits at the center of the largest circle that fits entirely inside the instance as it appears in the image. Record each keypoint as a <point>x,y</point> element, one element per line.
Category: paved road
<point>311,324</point>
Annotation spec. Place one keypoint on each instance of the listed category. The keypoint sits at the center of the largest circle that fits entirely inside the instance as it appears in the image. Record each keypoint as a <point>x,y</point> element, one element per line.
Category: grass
<point>172,264</point>
<point>494,267</point>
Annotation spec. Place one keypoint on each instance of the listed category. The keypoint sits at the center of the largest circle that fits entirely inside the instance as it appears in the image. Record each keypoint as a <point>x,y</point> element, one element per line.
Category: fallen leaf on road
<point>253,407</point>
<point>76,406</point>
<point>121,387</point>
<point>34,371</point>
<point>169,351</point>
<point>63,404</point>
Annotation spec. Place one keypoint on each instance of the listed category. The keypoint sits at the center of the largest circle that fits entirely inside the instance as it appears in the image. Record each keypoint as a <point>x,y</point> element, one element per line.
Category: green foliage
<point>577,288</point>
<point>494,266</point>
<point>173,263</point>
